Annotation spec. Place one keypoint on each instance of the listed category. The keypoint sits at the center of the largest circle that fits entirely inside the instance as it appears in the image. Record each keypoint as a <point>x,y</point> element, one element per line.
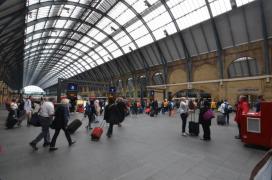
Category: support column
<point>267,61</point>
<point>219,52</point>
<point>59,90</point>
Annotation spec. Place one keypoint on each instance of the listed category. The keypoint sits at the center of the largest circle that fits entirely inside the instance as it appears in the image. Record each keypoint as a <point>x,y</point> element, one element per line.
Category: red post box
<point>256,128</point>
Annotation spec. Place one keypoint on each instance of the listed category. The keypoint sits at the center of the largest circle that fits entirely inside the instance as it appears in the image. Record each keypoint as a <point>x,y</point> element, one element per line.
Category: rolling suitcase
<point>221,119</point>
<point>152,113</point>
<point>11,121</point>
<point>193,128</point>
<point>97,132</point>
<point>193,125</point>
<point>73,126</point>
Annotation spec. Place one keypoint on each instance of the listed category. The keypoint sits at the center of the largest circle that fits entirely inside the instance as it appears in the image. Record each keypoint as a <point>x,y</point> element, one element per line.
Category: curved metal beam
<point>83,6</point>
<point>67,50</point>
<point>68,30</point>
<point>53,18</point>
<point>83,22</point>
<point>39,31</point>
<point>184,46</point>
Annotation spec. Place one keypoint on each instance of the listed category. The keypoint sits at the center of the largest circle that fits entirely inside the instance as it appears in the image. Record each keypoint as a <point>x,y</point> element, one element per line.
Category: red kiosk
<point>256,128</point>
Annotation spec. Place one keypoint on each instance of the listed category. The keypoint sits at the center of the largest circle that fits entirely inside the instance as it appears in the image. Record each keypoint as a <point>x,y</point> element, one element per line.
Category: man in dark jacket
<point>90,112</point>
<point>60,122</point>
<point>114,113</point>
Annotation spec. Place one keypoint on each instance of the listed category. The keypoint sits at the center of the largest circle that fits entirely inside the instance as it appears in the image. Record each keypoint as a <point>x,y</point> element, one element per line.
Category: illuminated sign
<point>72,87</point>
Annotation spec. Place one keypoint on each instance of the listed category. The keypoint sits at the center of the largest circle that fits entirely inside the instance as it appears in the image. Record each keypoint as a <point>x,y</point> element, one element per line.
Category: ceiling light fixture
<point>147,3</point>
<point>165,32</point>
<point>233,4</point>
<point>113,29</point>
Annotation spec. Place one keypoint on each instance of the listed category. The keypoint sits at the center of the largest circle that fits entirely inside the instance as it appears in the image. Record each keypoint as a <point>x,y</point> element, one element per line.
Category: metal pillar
<point>265,41</point>
<point>59,89</point>
<point>219,51</point>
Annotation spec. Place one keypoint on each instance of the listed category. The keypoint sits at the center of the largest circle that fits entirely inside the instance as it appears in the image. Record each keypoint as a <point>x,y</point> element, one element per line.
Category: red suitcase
<point>97,132</point>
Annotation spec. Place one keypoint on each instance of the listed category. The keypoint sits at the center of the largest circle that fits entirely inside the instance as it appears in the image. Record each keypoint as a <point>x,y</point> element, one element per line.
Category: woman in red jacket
<point>242,108</point>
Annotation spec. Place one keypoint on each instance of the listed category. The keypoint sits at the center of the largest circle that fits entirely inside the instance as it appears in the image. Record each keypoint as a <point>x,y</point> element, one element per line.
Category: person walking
<point>28,109</point>
<point>60,122</point>
<point>114,113</point>
<point>90,112</point>
<point>225,110</point>
<point>46,113</point>
<point>183,109</point>
<point>109,115</point>
<point>242,108</point>
<point>205,119</point>
<point>258,104</point>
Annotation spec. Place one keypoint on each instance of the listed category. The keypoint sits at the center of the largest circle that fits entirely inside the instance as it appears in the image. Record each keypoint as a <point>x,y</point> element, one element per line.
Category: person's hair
<point>260,97</point>
<point>243,98</point>
<point>206,103</point>
<point>111,99</point>
<point>65,101</point>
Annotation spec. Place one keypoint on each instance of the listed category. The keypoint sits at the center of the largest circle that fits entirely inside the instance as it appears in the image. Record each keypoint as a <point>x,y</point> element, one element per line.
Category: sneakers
<point>46,144</point>
<point>184,134</point>
<point>53,149</point>
<point>33,145</point>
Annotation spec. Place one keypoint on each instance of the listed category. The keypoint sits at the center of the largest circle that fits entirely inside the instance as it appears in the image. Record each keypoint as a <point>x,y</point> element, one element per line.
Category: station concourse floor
<point>144,148</point>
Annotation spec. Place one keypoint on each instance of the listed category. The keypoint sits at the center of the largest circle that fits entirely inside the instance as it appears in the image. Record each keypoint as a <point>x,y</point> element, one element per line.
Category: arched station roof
<point>67,38</point>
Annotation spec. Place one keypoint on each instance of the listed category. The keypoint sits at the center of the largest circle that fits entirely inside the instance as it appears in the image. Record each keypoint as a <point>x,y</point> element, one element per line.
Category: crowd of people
<point>116,109</point>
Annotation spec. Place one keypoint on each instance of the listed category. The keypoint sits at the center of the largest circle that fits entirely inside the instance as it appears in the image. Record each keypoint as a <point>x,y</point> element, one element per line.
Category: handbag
<point>208,115</point>
<point>35,120</point>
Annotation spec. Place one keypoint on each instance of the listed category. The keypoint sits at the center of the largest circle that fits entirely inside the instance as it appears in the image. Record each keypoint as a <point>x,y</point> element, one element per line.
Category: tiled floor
<point>144,148</point>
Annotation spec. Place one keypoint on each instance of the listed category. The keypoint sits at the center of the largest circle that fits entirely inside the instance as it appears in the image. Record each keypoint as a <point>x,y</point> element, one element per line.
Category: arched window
<point>158,78</point>
<point>244,66</point>
<point>142,81</point>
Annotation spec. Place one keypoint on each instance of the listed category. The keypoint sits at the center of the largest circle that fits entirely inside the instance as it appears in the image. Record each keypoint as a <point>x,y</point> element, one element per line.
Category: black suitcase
<point>152,113</point>
<point>11,121</point>
<point>193,128</point>
<point>221,119</point>
<point>73,126</point>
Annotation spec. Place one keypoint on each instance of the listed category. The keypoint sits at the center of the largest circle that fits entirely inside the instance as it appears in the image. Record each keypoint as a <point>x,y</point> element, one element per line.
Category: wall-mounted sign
<point>72,87</point>
<point>112,89</point>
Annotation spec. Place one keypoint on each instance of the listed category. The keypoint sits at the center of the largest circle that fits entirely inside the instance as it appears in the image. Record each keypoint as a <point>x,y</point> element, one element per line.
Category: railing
<point>263,170</point>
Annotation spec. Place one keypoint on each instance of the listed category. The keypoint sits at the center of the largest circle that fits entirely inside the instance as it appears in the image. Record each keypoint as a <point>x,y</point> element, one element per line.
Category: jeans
<point>206,130</point>
<point>226,117</point>
<point>109,133</point>
<point>184,121</point>
<point>57,131</point>
<point>45,123</point>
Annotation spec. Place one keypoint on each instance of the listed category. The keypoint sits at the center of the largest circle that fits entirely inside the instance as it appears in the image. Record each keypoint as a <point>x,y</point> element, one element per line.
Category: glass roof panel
<point>219,6</point>
<point>243,2</point>
<point>103,30</point>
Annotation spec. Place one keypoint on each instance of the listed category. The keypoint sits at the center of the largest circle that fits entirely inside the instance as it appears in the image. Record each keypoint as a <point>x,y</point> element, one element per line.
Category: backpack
<point>226,108</point>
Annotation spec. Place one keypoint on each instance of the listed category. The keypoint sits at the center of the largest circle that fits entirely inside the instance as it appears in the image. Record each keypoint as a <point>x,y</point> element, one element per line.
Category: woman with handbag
<point>60,122</point>
<point>205,118</point>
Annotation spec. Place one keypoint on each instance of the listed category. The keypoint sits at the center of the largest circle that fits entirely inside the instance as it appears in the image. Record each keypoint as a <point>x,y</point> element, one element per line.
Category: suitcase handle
<point>102,124</point>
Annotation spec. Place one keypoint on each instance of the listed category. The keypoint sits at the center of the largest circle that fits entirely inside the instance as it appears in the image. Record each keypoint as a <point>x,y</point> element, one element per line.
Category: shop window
<point>243,67</point>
